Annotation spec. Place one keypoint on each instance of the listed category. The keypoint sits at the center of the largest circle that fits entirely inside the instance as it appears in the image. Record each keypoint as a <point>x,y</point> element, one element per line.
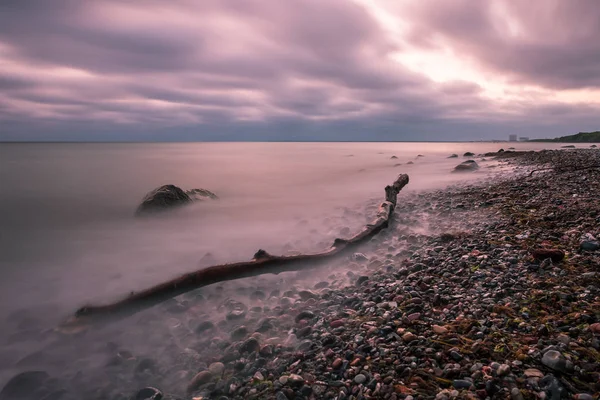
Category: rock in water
<point>469,165</point>
<point>468,154</point>
<point>170,196</point>
<point>163,198</point>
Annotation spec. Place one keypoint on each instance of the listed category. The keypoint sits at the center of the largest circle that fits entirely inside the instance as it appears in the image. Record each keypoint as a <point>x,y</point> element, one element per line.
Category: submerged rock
<point>453,156</point>
<point>468,154</point>
<point>469,165</point>
<point>170,196</point>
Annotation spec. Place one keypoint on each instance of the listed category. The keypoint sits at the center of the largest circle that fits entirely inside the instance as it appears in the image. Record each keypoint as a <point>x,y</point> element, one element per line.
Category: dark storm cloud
<point>272,69</point>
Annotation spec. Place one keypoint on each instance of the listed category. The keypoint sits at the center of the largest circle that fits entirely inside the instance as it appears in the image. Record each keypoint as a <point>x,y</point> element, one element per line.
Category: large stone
<point>553,359</point>
<point>466,166</point>
<point>170,196</point>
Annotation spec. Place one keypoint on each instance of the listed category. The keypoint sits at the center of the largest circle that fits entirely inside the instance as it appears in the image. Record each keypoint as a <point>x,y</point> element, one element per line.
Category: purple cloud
<point>225,64</point>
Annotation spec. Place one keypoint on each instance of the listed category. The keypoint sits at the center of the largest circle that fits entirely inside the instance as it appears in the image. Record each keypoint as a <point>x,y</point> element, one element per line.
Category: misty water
<point>68,235</point>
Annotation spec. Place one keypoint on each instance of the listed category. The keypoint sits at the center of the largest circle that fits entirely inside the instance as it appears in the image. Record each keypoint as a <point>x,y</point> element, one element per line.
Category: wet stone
<point>321,285</point>
<point>308,315</point>
<point>264,325</point>
<point>148,393</point>
<point>200,379</point>
<point>204,326</point>
<point>239,333</point>
<point>251,345</point>
<point>216,368</point>
<point>302,332</point>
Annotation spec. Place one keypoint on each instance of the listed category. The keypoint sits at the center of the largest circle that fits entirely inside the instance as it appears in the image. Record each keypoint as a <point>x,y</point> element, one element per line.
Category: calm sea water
<point>68,235</point>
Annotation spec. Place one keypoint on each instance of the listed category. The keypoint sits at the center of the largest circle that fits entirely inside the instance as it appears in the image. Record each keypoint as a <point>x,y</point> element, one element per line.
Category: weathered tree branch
<point>262,263</point>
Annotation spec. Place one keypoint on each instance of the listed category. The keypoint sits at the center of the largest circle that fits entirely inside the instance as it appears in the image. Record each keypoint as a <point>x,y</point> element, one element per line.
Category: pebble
<point>295,380</point>
<point>281,396</point>
<point>250,345</point>
<point>409,337</point>
<point>239,333</point>
<point>439,330</point>
<point>461,384</point>
<point>555,360</point>
<point>417,314</point>
<point>503,370</point>
<point>414,316</point>
<point>533,373</point>
<point>200,379</point>
<point>337,323</point>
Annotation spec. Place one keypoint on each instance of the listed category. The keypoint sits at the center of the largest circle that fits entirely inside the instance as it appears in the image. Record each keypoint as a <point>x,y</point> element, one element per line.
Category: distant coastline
<point>581,137</point>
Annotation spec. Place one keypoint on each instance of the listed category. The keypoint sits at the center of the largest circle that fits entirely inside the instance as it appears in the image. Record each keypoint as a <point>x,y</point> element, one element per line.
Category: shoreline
<point>446,303</point>
<point>468,313</point>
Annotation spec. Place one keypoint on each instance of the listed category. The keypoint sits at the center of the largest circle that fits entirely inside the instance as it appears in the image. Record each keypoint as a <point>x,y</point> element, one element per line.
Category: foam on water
<point>68,236</point>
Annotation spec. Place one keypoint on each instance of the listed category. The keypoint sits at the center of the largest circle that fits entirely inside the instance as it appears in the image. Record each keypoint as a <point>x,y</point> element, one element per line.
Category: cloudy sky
<point>298,69</point>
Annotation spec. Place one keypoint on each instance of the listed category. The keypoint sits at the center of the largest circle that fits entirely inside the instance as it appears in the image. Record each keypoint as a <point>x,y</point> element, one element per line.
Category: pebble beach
<point>485,290</point>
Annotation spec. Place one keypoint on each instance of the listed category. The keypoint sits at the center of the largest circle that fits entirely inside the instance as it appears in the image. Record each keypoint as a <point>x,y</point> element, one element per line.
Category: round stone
<point>555,360</point>
<point>200,379</point>
<point>216,368</point>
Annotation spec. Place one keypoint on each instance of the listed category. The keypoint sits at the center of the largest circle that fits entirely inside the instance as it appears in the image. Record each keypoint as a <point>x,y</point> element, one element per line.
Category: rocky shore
<point>489,290</point>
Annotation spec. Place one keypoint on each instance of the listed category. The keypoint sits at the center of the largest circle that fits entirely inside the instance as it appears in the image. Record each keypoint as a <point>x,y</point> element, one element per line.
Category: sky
<point>346,70</point>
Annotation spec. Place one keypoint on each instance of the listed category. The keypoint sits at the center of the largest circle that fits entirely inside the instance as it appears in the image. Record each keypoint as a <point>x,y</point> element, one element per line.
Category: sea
<point>68,235</point>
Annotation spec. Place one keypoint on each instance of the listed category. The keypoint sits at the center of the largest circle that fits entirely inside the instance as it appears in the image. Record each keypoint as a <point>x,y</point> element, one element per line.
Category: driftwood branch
<point>262,263</point>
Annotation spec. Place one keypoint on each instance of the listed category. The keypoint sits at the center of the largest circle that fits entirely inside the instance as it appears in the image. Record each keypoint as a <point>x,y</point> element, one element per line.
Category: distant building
<point>524,139</point>
<point>512,138</point>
